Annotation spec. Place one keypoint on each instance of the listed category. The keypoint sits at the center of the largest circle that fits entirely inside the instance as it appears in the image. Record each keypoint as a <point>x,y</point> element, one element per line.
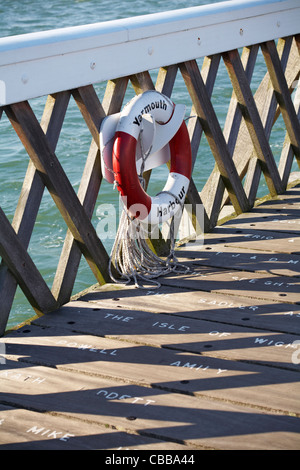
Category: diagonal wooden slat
<point>217,191</point>
<point>287,154</point>
<point>60,188</point>
<point>252,119</point>
<point>234,115</point>
<point>114,95</point>
<point>70,257</point>
<point>209,72</point>
<point>30,199</point>
<point>87,194</point>
<point>214,135</point>
<point>267,107</point>
<point>166,79</point>
<point>142,82</point>
<point>91,109</point>
<point>268,115</point>
<point>282,95</point>
<point>23,268</point>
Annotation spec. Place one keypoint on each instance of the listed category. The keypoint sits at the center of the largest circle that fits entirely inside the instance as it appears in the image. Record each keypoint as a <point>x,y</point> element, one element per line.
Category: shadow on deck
<point>210,360</point>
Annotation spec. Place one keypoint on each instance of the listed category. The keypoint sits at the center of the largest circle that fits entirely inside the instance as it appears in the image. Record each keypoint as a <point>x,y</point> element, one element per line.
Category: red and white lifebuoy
<point>165,204</point>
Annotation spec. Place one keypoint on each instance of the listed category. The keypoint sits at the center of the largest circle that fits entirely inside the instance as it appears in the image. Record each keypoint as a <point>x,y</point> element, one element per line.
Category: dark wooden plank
<point>279,215</point>
<point>239,258</point>
<point>238,283</point>
<point>252,239</point>
<point>142,82</point>
<point>157,367</point>
<point>274,222</point>
<point>183,334</point>
<point>237,310</point>
<point>28,430</point>
<point>152,412</point>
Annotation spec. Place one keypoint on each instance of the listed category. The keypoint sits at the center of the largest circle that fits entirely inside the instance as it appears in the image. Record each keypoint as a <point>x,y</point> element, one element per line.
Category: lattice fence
<point>241,153</point>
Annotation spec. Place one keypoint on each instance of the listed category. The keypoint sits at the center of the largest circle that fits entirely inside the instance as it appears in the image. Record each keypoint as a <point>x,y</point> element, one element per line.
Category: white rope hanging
<point>133,258</point>
<point>131,255</point>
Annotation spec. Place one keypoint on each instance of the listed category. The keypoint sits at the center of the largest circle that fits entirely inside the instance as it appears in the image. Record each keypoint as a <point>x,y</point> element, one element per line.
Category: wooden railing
<point>66,64</point>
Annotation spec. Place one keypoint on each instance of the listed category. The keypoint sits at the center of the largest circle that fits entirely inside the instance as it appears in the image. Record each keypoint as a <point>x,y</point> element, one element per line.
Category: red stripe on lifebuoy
<point>124,167</point>
<point>181,155</point>
<point>137,201</point>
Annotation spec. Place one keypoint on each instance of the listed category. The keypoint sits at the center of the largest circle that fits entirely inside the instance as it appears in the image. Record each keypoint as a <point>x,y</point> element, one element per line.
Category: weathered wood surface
<point>207,361</point>
<point>241,152</point>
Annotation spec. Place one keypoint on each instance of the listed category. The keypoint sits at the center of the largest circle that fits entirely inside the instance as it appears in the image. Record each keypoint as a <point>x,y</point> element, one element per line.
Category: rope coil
<point>131,255</point>
<point>133,258</point>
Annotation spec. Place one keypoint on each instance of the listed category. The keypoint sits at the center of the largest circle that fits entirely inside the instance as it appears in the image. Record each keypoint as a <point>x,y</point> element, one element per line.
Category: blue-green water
<point>25,16</point>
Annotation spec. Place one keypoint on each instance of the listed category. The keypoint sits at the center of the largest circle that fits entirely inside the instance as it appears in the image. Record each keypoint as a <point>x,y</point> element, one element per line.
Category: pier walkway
<point>210,359</point>
<point>207,361</point>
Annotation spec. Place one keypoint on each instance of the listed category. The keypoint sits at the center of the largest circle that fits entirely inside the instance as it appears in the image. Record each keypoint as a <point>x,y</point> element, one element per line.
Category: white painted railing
<point>47,62</point>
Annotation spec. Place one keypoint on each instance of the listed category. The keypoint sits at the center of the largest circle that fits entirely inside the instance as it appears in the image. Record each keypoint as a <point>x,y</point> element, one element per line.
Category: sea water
<point>26,16</point>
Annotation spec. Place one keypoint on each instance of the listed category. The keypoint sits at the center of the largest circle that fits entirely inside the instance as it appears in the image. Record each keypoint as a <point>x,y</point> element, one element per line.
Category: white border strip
<point>38,64</point>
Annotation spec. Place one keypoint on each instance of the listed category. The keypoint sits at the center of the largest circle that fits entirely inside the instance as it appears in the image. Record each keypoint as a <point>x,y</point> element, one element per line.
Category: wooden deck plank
<point>187,335</point>
<point>246,284</point>
<point>161,368</point>
<point>45,431</point>
<point>205,305</point>
<point>280,215</point>
<point>267,221</point>
<point>210,360</point>
<point>239,258</point>
<point>152,412</point>
<point>251,239</point>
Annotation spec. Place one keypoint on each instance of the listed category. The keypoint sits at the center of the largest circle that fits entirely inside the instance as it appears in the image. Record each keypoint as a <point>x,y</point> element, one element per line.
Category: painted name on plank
<point>229,304</point>
<point>201,367</point>
<point>256,257</point>
<point>21,377</point>
<point>108,395</point>
<point>87,347</point>
<point>50,434</point>
<point>43,431</point>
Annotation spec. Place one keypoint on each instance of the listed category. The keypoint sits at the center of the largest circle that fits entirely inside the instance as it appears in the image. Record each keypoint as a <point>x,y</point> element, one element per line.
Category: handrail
<point>29,62</point>
<point>65,64</point>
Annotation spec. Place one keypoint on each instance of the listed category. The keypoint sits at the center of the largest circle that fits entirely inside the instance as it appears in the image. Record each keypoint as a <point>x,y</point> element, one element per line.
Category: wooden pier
<point>210,359</point>
<point>207,361</point>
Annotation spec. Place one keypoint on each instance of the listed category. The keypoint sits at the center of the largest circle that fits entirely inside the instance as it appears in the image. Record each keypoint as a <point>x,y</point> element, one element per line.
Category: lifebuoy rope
<point>134,260</point>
